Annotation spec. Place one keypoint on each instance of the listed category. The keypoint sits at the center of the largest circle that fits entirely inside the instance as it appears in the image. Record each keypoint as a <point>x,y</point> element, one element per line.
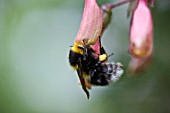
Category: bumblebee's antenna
<point>110,55</point>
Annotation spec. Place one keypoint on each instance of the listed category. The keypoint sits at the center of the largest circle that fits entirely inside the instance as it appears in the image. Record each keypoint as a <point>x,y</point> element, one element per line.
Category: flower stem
<point>107,12</point>
<point>111,6</point>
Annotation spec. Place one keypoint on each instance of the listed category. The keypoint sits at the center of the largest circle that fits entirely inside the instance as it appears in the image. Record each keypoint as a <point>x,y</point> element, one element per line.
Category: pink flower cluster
<point>141,32</point>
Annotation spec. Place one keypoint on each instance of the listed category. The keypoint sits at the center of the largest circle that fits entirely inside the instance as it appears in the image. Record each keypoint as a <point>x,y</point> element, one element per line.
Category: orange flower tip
<point>85,41</point>
<point>140,52</point>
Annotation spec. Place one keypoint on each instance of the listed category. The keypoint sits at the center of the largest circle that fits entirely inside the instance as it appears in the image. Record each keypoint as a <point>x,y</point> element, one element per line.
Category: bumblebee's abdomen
<point>100,79</point>
<point>105,73</point>
<point>101,75</point>
<point>74,57</point>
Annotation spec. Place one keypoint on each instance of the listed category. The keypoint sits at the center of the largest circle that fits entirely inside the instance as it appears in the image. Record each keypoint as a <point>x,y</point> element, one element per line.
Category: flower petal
<point>91,24</point>
<point>141,32</point>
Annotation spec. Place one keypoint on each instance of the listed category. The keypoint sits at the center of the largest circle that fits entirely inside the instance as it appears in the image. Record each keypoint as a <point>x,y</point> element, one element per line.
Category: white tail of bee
<point>117,71</point>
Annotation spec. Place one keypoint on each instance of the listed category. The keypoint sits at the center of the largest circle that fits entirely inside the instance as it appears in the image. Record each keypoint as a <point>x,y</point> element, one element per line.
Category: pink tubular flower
<point>96,47</point>
<point>91,24</point>
<point>141,31</point>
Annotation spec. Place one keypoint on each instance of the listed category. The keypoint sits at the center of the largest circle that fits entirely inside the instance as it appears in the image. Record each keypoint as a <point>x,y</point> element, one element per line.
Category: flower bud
<point>141,31</point>
<point>91,24</point>
<point>107,15</point>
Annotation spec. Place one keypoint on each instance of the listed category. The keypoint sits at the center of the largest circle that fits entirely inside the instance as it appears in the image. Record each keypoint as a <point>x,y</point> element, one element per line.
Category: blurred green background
<point>35,76</point>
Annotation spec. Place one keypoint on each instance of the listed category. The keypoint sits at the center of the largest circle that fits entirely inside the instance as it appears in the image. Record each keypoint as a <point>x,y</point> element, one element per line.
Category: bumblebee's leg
<point>80,75</point>
<point>102,51</point>
<point>110,55</point>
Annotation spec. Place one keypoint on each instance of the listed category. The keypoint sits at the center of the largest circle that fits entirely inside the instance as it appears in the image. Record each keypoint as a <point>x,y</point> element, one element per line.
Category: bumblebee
<point>93,69</point>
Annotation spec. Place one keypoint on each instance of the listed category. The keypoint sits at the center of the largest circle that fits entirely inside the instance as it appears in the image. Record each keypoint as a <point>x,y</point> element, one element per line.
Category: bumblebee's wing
<point>80,75</point>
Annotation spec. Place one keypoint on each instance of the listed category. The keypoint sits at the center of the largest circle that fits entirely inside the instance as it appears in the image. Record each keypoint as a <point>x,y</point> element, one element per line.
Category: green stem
<point>111,6</point>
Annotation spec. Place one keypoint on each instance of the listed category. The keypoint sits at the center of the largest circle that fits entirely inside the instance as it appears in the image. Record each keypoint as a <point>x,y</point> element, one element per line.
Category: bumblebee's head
<point>77,49</point>
<point>84,50</point>
<point>75,54</point>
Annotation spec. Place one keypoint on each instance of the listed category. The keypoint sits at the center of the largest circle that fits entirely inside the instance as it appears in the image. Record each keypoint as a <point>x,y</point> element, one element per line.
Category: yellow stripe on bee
<point>103,57</point>
<point>74,67</point>
<point>76,49</point>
